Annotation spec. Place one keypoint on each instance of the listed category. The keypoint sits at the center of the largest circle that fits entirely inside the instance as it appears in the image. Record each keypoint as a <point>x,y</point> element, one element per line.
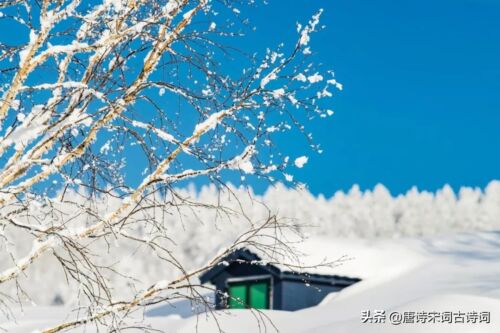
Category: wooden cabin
<point>240,283</point>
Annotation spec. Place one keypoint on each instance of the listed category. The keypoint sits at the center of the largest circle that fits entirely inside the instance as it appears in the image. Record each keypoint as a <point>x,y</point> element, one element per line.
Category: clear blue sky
<point>421,98</point>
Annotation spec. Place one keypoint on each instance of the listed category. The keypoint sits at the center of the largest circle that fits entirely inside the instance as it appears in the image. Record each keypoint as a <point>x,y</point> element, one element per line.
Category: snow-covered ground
<point>456,272</point>
<point>370,214</point>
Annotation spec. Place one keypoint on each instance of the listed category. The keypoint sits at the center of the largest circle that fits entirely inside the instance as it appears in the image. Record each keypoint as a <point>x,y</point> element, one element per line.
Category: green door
<point>249,294</point>
<point>238,296</point>
<point>259,295</point>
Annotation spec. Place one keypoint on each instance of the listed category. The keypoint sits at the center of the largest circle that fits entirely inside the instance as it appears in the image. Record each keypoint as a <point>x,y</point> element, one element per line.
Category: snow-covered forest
<point>204,231</point>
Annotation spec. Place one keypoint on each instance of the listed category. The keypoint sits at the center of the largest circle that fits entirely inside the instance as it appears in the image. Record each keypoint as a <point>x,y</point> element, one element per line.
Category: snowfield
<point>363,215</point>
<point>456,272</point>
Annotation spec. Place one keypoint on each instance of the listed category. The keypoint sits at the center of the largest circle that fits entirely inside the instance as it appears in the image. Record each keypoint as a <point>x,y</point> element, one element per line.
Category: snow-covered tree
<point>121,102</point>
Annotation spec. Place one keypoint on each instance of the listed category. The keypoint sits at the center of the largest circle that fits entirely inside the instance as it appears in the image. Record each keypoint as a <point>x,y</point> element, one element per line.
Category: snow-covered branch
<point>123,101</point>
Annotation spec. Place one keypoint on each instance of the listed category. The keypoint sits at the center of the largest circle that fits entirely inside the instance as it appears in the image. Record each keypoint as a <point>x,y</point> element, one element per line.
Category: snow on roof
<point>364,259</point>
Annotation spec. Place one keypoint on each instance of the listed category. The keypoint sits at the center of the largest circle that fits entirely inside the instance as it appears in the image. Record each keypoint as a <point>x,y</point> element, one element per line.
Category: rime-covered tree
<point>123,101</point>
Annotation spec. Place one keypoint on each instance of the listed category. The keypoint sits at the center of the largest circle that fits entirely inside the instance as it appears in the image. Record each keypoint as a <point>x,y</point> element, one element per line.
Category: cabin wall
<point>296,295</point>
<point>276,294</point>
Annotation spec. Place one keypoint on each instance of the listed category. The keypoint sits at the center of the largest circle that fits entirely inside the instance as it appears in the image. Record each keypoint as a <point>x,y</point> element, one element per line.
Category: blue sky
<point>421,98</point>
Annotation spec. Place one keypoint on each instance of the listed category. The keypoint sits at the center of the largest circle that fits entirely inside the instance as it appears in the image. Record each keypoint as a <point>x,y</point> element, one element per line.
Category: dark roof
<point>245,255</point>
<point>237,256</point>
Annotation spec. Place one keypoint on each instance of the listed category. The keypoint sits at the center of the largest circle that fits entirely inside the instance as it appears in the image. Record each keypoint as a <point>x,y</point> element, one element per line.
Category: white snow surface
<point>421,251</point>
<point>455,272</point>
<point>356,214</point>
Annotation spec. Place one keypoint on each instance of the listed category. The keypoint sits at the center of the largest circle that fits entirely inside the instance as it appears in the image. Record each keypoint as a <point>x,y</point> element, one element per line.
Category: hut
<point>241,283</point>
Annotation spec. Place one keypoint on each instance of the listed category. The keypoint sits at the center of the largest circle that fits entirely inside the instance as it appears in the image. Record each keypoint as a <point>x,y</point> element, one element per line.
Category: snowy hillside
<point>454,273</point>
<point>371,214</point>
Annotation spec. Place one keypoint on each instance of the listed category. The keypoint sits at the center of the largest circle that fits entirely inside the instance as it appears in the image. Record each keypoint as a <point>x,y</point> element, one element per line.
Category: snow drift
<point>198,233</point>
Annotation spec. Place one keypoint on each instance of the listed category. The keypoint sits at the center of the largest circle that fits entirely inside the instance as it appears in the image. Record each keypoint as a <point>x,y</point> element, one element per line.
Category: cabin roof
<point>247,256</point>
